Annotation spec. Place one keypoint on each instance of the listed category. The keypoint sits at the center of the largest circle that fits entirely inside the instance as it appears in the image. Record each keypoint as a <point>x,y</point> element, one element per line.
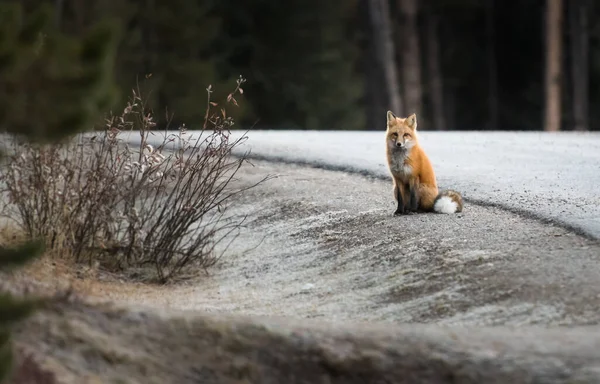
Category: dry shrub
<point>99,198</point>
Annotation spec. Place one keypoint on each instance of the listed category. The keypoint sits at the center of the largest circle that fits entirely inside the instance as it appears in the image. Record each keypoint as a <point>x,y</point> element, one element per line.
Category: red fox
<point>415,187</point>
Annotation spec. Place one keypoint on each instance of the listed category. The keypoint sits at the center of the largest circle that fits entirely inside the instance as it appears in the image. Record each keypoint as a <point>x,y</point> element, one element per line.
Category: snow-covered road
<point>554,176</point>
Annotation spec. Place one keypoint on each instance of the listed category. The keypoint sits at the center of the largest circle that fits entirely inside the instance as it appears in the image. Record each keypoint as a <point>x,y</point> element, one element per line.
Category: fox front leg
<point>398,195</point>
<point>413,204</point>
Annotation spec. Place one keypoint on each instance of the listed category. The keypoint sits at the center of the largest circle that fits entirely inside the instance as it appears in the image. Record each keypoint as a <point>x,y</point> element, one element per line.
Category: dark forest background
<point>340,64</point>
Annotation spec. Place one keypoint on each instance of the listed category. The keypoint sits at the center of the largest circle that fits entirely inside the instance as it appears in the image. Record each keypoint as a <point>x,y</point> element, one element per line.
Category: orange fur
<point>415,186</point>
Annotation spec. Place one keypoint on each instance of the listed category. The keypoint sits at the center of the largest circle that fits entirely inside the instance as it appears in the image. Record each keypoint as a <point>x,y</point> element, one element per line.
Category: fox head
<point>401,132</point>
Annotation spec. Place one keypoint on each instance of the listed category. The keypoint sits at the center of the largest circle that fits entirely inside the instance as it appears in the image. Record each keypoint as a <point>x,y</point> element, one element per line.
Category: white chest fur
<point>398,166</point>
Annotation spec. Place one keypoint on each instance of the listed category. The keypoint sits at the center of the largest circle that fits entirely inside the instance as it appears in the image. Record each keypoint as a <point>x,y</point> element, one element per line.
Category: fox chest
<point>400,168</point>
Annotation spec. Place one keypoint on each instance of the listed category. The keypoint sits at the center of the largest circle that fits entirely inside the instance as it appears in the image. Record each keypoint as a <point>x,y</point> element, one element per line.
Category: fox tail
<point>448,202</point>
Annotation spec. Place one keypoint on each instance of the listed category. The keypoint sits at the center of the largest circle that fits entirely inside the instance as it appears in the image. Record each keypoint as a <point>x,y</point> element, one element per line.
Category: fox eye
<point>406,136</point>
<point>394,135</point>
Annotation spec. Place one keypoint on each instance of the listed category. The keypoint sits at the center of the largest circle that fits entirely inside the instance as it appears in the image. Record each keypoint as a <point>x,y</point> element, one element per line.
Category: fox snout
<point>400,144</point>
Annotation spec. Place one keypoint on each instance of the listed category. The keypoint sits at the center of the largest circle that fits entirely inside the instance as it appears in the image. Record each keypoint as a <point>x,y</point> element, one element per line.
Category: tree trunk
<point>436,84</point>
<point>450,107</point>
<point>375,99</point>
<point>578,20</point>
<point>554,13</point>
<point>384,51</point>
<point>492,67</point>
<point>411,57</point>
<point>147,18</point>
<point>80,13</point>
<point>58,12</point>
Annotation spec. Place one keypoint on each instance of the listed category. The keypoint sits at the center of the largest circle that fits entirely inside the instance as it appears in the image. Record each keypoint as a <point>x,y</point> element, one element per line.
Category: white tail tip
<point>445,204</point>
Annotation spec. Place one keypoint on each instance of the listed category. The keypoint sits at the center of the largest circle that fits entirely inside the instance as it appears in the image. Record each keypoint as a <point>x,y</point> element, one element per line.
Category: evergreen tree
<point>167,51</point>
<point>299,58</point>
<point>50,87</point>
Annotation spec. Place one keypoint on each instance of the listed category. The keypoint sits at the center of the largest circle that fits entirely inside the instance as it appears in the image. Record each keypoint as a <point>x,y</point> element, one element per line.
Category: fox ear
<point>411,121</point>
<point>390,117</point>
